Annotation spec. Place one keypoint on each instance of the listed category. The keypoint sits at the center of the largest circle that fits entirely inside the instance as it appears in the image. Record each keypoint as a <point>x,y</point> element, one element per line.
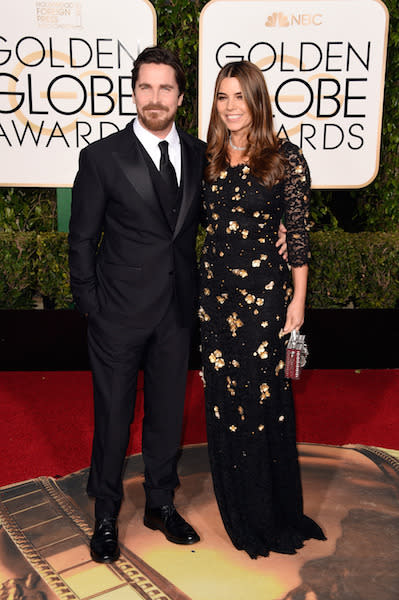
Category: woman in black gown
<point>249,303</point>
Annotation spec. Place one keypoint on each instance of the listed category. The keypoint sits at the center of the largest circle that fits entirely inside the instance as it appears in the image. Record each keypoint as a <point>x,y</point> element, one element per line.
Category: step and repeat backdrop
<point>65,81</point>
<point>324,65</point>
<point>65,78</point>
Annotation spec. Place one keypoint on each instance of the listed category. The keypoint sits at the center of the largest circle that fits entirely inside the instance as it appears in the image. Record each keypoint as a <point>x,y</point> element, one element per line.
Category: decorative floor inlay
<point>353,492</point>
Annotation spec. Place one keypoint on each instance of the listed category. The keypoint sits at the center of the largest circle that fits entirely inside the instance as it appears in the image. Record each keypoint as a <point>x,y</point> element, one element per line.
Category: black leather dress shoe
<point>104,546</point>
<point>167,519</point>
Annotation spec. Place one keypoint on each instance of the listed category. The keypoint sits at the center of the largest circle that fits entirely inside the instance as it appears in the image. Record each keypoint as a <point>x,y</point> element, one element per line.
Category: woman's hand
<point>295,316</point>
<point>296,308</point>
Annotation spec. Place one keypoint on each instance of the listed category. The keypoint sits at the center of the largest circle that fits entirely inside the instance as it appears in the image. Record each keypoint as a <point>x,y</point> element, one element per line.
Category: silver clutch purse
<point>296,355</point>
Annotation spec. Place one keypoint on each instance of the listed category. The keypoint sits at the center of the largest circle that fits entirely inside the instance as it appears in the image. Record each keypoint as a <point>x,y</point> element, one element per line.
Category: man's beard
<point>156,123</point>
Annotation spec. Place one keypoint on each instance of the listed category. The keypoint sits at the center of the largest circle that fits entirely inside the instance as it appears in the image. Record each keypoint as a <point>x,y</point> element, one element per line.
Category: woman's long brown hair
<point>265,160</point>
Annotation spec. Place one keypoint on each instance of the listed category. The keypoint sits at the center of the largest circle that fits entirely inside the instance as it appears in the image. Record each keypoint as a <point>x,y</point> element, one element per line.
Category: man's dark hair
<point>159,56</point>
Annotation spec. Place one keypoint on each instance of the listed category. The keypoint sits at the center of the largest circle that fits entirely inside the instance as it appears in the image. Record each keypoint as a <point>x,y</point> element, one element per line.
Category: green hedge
<point>347,270</point>
<point>359,270</point>
<point>27,209</point>
<point>53,270</point>
<point>17,270</point>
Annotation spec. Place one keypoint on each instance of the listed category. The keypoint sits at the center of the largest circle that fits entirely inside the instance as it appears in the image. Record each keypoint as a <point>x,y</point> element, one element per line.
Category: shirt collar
<point>149,140</point>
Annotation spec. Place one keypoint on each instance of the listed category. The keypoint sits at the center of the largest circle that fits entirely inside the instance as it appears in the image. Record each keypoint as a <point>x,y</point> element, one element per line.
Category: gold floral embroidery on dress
<point>288,294</point>
<point>261,427</point>
<point>207,291</point>
<point>214,188</point>
<point>215,216</point>
<point>245,233</point>
<point>241,411</point>
<point>222,298</point>
<point>234,323</point>
<point>223,175</point>
<point>208,270</point>
<point>216,411</point>
<point>240,272</point>
<point>256,263</point>
<point>210,229</point>
<point>264,392</point>
<point>260,301</point>
<point>203,315</point>
<point>216,358</point>
<point>231,384</point>
<point>238,209</point>
<point>265,323</point>
<point>279,367</point>
<point>233,226</point>
<point>262,350</point>
<point>235,363</point>
<point>249,298</point>
<point>269,286</point>
<point>256,214</point>
<point>233,428</point>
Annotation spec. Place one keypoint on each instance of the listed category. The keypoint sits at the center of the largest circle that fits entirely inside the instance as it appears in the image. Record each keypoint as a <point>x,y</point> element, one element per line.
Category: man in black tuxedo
<point>135,213</point>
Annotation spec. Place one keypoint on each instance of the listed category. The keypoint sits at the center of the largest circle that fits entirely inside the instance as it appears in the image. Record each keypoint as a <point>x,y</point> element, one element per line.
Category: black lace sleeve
<point>296,204</point>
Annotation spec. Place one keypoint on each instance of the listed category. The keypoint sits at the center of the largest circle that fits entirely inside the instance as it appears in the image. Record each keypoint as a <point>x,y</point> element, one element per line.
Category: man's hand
<point>281,243</point>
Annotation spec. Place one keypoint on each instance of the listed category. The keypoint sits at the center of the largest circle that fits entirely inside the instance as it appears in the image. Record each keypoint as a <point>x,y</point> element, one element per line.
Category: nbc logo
<point>277,20</point>
<point>281,20</point>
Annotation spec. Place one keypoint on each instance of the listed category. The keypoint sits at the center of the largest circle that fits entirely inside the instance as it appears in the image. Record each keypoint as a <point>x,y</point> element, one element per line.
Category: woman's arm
<point>296,308</point>
<point>296,197</point>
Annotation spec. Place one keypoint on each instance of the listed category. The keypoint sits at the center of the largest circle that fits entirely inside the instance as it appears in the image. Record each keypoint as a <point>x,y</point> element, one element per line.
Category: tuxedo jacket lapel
<point>191,162</point>
<point>135,169</point>
<point>133,165</point>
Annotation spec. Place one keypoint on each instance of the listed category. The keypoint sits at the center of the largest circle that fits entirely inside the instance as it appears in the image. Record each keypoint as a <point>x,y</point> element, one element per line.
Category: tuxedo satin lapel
<point>191,180</point>
<point>133,166</point>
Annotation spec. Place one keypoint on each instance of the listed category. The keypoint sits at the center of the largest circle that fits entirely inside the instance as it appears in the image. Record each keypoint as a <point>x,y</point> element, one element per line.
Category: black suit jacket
<point>140,261</point>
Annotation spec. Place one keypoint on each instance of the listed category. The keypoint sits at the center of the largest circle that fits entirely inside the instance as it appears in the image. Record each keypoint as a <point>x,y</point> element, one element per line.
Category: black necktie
<point>166,168</point>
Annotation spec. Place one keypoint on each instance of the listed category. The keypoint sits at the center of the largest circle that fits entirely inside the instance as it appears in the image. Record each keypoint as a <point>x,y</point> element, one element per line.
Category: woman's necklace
<point>236,147</point>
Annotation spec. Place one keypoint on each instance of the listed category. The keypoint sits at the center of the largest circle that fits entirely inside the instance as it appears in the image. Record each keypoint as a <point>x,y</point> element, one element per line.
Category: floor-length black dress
<point>245,290</point>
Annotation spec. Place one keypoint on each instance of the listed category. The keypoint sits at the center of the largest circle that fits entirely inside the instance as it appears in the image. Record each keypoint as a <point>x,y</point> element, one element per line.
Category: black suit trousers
<point>116,350</point>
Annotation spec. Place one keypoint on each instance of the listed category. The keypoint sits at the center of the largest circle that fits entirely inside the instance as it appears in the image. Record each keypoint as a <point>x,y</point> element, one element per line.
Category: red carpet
<point>46,425</point>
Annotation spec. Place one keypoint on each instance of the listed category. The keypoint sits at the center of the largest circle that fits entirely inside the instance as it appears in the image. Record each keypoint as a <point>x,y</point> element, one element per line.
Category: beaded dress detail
<point>245,291</point>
